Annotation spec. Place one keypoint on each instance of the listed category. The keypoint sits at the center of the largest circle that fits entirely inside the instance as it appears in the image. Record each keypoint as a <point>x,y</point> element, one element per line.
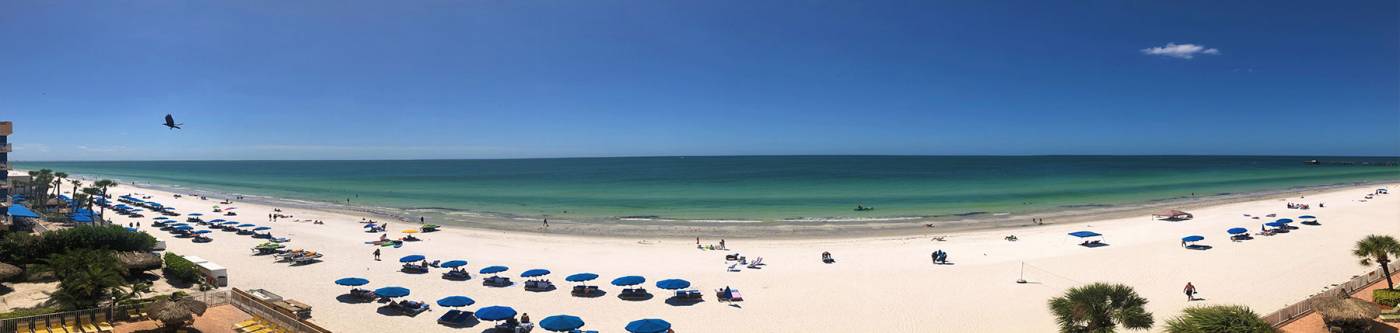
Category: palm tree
<point>1100,308</point>
<point>1378,248</point>
<point>88,194</point>
<point>85,277</point>
<point>59,176</point>
<point>103,185</point>
<point>1219,319</point>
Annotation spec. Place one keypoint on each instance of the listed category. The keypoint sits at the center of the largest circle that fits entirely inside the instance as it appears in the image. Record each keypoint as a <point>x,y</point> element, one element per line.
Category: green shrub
<point>176,267</point>
<point>1387,297</point>
<point>22,248</point>
<point>26,312</point>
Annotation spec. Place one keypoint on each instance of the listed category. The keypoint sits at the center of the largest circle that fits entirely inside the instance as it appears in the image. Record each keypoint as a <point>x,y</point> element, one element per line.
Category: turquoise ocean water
<point>744,188</point>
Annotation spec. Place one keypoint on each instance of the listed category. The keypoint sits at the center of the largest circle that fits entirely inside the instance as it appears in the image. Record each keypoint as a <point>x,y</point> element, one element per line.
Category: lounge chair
<point>456,275</point>
<point>456,318</point>
<point>496,281</point>
<point>756,262</point>
<point>634,294</point>
<point>40,327</point>
<point>733,268</point>
<point>539,285</point>
<point>412,308</point>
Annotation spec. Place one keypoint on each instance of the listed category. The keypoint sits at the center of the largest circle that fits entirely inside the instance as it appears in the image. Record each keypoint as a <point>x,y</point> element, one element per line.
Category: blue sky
<point>504,79</point>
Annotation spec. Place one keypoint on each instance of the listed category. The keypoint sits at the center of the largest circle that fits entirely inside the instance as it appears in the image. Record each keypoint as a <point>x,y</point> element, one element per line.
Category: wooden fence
<point>1303,308</point>
<point>261,309</point>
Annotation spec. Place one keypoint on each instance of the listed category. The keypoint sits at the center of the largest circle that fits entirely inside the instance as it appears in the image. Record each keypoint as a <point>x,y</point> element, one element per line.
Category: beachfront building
<point>6,128</point>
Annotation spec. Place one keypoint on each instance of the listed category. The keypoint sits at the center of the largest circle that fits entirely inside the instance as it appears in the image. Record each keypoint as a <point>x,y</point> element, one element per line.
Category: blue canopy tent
<point>1085,235</point>
<point>352,282</point>
<point>412,258</point>
<point>630,280</point>
<point>80,218</point>
<point>535,273</point>
<point>391,292</point>
<point>648,326</point>
<point>21,211</point>
<point>673,284</point>
<point>495,313</point>
<point>453,264</point>
<point>455,301</point>
<point>561,323</point>
<point>494,269</point>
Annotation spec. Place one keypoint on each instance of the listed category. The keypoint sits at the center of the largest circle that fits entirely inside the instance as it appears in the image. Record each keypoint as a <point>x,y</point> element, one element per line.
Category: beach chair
<point>39,327</point>
<point>733,268</point>
<point>89,325</point>
<point>756,262</point>
<point>71,327</point>
<point>105,327</point>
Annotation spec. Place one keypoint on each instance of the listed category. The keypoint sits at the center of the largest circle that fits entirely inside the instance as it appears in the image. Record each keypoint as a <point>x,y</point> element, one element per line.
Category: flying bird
<point>170,122</point>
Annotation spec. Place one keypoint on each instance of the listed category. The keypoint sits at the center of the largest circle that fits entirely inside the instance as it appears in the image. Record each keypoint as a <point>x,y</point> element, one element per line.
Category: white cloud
<point>1182,51</point>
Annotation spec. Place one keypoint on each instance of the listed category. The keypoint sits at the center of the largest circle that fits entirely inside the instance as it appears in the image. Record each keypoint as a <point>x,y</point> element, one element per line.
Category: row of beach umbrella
<point>556,323</point>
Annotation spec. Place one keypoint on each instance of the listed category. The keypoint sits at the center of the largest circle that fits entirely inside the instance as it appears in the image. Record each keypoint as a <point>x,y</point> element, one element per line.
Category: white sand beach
<point>877,284</point>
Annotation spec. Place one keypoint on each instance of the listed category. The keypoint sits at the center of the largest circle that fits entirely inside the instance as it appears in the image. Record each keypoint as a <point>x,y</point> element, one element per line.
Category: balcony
<point>6,148</point>
<point>6,128</point>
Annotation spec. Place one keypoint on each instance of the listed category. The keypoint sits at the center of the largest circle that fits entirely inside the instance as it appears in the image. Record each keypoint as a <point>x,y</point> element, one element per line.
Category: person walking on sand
<point>721,244</point>
<point>376,254</point>
<point>1190,291</point>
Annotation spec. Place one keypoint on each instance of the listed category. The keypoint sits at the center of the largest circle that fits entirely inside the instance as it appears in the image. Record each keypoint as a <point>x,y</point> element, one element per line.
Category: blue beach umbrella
<point>162,218</point>
<point>455,301</point>
<point>648,326</point>
<point>1193,238</point>
<point>561,323</point>
<point>581,277</point>
<point>494,269</point>
<point>183,227</point>
<point>1276,224</point>
<point>412,258</point>
<point>201,231</point>
<point>454,264</point>
<point>230,222</point>
<point>262,228</point>
<point>217,221</point>
<point>495,313</point>
<point>535,273</point>
<point>245,225</point>
<point>1307,217</point>
<point>196,214</point>
<point>1284,221</point>
<point>131,229</point>
<point>352,282</point>
<point>391,292</point>
<point>629,281</point>
<point>1237,230</point>
<point>673,284</point>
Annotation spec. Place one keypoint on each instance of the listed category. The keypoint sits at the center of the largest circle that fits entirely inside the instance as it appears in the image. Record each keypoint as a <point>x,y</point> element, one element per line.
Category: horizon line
<point>716,156</point>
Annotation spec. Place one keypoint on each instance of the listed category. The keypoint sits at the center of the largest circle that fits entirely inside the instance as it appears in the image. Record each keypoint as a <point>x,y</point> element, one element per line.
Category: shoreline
<point>664,228</point>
